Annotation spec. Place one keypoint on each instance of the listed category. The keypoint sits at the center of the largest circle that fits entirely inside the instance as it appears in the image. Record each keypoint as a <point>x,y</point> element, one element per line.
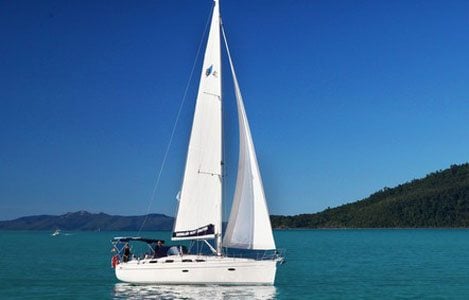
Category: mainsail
<point>199,211</point>
<point>249,223</point>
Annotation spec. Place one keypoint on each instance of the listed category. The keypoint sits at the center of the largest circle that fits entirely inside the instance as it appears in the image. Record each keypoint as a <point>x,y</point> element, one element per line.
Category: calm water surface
<point>321,264</point>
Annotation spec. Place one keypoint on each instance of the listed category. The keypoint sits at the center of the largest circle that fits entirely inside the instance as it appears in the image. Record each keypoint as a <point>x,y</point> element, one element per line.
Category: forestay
<point>199,210</point>
<point>249,223</point>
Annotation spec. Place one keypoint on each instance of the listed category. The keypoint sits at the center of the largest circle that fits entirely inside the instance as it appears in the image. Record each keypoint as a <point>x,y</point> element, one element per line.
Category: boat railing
<point>277,255</point>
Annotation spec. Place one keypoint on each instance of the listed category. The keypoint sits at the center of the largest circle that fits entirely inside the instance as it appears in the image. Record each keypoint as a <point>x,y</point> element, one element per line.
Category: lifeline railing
<point>278,254</point>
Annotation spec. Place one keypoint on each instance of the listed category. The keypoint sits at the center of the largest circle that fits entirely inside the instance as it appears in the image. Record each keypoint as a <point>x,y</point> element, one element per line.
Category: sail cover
<point>199,210</point>
<point>249,223</point>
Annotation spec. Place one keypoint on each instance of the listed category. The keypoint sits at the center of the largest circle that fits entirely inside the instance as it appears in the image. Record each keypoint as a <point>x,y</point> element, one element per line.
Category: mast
<point>219,235</point>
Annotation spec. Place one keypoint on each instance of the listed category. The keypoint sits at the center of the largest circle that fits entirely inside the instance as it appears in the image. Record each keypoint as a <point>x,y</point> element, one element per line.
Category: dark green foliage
<point>441,199</point>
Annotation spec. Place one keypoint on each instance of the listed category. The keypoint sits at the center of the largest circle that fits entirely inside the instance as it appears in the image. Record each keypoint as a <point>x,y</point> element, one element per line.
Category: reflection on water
<point>128,291</point>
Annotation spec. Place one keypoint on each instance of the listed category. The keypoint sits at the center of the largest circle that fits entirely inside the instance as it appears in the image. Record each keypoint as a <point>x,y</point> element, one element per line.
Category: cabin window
<point>231,269</point>
<point>169,261</point>
<point>185,271</point>
<point>153,261</point>
<point>200,260</point>
<point>187,260</point>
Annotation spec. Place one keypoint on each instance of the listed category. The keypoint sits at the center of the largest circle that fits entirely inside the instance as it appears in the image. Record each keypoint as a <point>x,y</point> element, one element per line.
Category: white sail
<point>199,211</point>
<point>249,223</point>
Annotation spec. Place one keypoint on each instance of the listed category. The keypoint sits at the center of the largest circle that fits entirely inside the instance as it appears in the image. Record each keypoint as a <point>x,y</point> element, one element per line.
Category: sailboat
<point>199,214</point>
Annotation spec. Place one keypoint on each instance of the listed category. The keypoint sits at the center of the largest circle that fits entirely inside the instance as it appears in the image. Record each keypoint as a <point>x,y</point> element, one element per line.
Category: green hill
<point>441,199</point>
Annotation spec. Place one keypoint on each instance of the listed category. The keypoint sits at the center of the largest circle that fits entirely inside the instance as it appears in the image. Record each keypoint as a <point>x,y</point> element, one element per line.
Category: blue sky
<point>344,98</point>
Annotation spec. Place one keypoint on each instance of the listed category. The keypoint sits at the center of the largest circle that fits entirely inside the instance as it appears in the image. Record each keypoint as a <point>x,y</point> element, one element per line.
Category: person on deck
<point>160,249</point>
<point>126,255</point>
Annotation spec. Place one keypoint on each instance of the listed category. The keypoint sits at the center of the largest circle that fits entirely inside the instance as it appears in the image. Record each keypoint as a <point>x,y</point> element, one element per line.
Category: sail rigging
<point>199,214</point>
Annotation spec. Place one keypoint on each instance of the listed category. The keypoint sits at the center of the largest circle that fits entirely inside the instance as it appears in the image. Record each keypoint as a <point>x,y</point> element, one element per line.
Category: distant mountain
<point>84,220</point>
<point>441,199</point>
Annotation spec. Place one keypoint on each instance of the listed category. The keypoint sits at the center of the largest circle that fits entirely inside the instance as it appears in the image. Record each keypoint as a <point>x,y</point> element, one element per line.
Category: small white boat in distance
<point>56,232</point>
<point>199,214</point>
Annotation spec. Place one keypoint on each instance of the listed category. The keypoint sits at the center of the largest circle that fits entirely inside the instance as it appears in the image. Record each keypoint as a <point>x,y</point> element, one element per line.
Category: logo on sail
<point>209,70</point>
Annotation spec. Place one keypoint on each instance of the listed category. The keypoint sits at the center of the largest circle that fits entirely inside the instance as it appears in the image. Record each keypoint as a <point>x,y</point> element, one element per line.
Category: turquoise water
<point>321,264</point>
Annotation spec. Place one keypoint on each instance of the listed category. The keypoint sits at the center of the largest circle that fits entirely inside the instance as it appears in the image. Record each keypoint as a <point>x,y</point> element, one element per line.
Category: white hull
<point>194,269</point>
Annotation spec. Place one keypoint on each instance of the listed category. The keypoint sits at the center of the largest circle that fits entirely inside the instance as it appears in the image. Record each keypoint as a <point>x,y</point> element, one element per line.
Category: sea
<point>320,264</point>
